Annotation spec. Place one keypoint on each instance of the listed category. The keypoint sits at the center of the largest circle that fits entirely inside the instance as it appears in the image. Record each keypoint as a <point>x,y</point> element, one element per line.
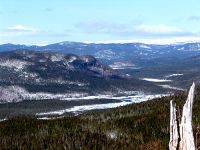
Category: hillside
<point>137,126</point>
<point>138,60</point>
<point>36,75</point>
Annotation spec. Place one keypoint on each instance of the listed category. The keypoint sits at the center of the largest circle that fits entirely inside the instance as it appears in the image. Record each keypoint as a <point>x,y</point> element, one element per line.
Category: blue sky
<point>51,21</point>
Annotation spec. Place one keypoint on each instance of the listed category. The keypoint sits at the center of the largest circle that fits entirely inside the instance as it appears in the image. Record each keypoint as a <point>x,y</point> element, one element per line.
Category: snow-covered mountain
<point>43,72</point>
<point>21,69</point>
<point>36,75</point>
<point>135,53</point>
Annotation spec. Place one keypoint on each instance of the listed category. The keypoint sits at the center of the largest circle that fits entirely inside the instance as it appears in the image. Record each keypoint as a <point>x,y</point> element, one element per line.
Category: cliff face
<point>181,133</point>
<point>48,62</point>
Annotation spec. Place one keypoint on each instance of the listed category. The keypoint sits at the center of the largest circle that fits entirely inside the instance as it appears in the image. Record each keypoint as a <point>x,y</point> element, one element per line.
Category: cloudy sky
<point>51,21</point>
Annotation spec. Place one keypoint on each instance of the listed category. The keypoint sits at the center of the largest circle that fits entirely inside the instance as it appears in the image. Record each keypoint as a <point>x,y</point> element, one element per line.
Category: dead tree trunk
<point>181,134</point>
<point>173,143</point>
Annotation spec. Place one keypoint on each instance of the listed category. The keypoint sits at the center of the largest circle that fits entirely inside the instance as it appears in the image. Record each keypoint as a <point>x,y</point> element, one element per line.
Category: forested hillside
<point>137,126</point>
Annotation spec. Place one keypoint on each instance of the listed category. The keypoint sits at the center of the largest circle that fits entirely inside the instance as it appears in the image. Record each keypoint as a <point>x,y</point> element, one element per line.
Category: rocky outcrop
<point>50,63</point>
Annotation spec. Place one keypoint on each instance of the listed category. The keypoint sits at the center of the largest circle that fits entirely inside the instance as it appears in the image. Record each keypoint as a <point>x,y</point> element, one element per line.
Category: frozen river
<point>83,108</point>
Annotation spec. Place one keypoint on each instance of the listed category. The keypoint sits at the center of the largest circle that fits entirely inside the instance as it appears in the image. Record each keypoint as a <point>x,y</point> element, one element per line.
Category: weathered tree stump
<point>181,133</point>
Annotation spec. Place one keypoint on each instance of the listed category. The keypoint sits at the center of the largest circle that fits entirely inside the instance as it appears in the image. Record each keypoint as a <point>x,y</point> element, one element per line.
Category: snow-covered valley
<point>124,101</point>
<point>156,80</point>
<point>120,74</point>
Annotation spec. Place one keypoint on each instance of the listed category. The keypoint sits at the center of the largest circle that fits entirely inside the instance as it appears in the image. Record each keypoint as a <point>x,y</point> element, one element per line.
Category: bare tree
<point>181,133</point>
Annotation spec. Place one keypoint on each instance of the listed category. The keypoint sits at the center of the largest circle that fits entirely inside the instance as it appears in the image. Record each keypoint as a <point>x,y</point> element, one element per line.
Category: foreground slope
<point>137,126</point>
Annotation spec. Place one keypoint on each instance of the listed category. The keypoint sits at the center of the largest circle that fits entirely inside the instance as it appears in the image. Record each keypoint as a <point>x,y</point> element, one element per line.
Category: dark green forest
<point>137,126</point>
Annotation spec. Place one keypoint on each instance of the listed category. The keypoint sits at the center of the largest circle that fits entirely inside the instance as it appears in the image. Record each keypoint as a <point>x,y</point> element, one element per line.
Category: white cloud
<point>158,29</point>
<point>136,30</point>
<point>21,28</point>
<point>18,30</point>
<point>99,27</point>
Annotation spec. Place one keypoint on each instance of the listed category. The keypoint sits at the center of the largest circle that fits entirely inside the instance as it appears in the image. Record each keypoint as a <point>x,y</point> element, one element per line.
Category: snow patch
<point>50,118</point>
<point>17,94</point>
<point>73,58</point>
<point>159,41</point>
<point>1,120</point>
<point>122,65</point>
<point>173,75</point>
<point>171,87</point>
<point>112,134</point>
<point>57,57</point>
<point>180,49</point>
<point>145,46</point>
<point>156,80</point>
<point>16,64</point>
<point>125,101</point>
<point>105,54</point>
<point>11,94</point>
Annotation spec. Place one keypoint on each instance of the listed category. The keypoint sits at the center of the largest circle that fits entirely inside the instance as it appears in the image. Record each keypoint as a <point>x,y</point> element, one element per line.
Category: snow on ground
<point>122,65</point>
<point>125,101</point>
<point>180,49</point>
<point>106,54</point>
<point>57,57</point>
<point>17,94</point>
<point>112,134</point>
<point>65,96</point>
<point>173,75</point>
<point>73,58</point>
<point>50,118</point>
<point>171,87</point>
<point>144,46</point>
<point>16,64</point>
<point>156,80</point>
<point>68,62</point>
<point>28,74</point>
<point>161,41</point>
<point>11,93</point>
<point>1,120</point>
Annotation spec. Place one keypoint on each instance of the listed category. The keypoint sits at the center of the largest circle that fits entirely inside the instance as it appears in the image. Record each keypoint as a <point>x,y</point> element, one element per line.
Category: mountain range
<point>37,75</point>
<point>73,70</point>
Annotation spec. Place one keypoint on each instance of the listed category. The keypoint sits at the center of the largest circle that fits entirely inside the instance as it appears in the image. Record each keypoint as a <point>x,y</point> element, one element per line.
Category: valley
<point>136,126</point>
<point>99,75</point>
<point>69,84</point>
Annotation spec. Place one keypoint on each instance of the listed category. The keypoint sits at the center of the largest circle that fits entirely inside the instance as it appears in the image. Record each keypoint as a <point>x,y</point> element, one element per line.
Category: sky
<point>50,21</point>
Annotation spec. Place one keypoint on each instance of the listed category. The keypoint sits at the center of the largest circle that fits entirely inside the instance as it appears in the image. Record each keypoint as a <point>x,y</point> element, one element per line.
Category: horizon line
<point>169,41</point>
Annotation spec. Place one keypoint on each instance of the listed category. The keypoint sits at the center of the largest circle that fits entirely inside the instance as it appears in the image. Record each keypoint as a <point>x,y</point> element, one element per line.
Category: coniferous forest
<point>99,75</point>
<point>137,126</point>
